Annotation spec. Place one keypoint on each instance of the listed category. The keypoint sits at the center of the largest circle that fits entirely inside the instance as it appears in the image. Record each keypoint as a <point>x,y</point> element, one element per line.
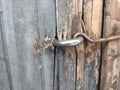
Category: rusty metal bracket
<point>42,44</point>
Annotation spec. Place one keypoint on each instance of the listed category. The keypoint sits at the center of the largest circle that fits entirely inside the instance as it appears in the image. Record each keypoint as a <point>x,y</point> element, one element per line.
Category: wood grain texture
<point>68,14</point>
<point>47,28</point>
<point>93,22</point>
<point>110,73</point>
<point>79,48</point>
<point>11,55</point>
<point>4,82</point>
<point>26,26</point>
<point>34,19</point>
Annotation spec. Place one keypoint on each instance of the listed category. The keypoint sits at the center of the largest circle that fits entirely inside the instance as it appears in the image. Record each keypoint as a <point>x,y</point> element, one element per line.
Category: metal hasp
<point>78,38</point>
<point>66,43</point>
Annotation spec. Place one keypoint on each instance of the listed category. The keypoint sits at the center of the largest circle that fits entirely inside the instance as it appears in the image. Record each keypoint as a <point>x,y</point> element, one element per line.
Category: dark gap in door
<point>102,32</point>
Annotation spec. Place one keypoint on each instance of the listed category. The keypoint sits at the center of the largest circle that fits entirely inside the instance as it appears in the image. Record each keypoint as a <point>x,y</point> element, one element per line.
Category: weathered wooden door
<point>24,66</point>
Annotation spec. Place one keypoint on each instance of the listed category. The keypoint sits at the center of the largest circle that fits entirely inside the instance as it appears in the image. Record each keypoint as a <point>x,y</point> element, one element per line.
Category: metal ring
<point>66,43</point>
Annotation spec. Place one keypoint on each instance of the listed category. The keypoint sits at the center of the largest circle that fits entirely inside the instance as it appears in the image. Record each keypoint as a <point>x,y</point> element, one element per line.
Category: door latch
<point>78,38</point>
<point>41,44</point>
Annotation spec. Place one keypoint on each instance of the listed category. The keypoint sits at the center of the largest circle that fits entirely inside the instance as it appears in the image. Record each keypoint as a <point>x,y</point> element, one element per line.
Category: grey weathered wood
<point>46,20</point>
<point>92,54</point>
<point>26,26</point>
<point>0,7</point>
<point>34,19</point>
<point>4,82</point>
<point>110,72</point>
<point>68,14</point>
<point>10,46</point>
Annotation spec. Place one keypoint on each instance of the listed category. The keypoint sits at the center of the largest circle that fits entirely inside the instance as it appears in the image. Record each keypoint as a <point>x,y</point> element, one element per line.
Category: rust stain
<point>42,44</point>
<point>113,54</point>
<point>113,67</point>
<point>115,29</point>
<point>89,54</point>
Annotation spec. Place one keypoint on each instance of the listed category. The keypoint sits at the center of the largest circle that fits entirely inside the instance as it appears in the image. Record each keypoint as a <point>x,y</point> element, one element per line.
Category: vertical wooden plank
<point>93,22</point>
<point>35,19</point>
<point>4,82</point>
<point>26,29</point>
<point>46,19</point>
<point>68,14</point>
<point>110,73</point>
<point>10,46</point>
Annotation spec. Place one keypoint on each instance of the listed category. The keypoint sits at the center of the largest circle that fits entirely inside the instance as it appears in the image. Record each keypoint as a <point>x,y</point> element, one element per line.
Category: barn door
<point>28,61</point>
